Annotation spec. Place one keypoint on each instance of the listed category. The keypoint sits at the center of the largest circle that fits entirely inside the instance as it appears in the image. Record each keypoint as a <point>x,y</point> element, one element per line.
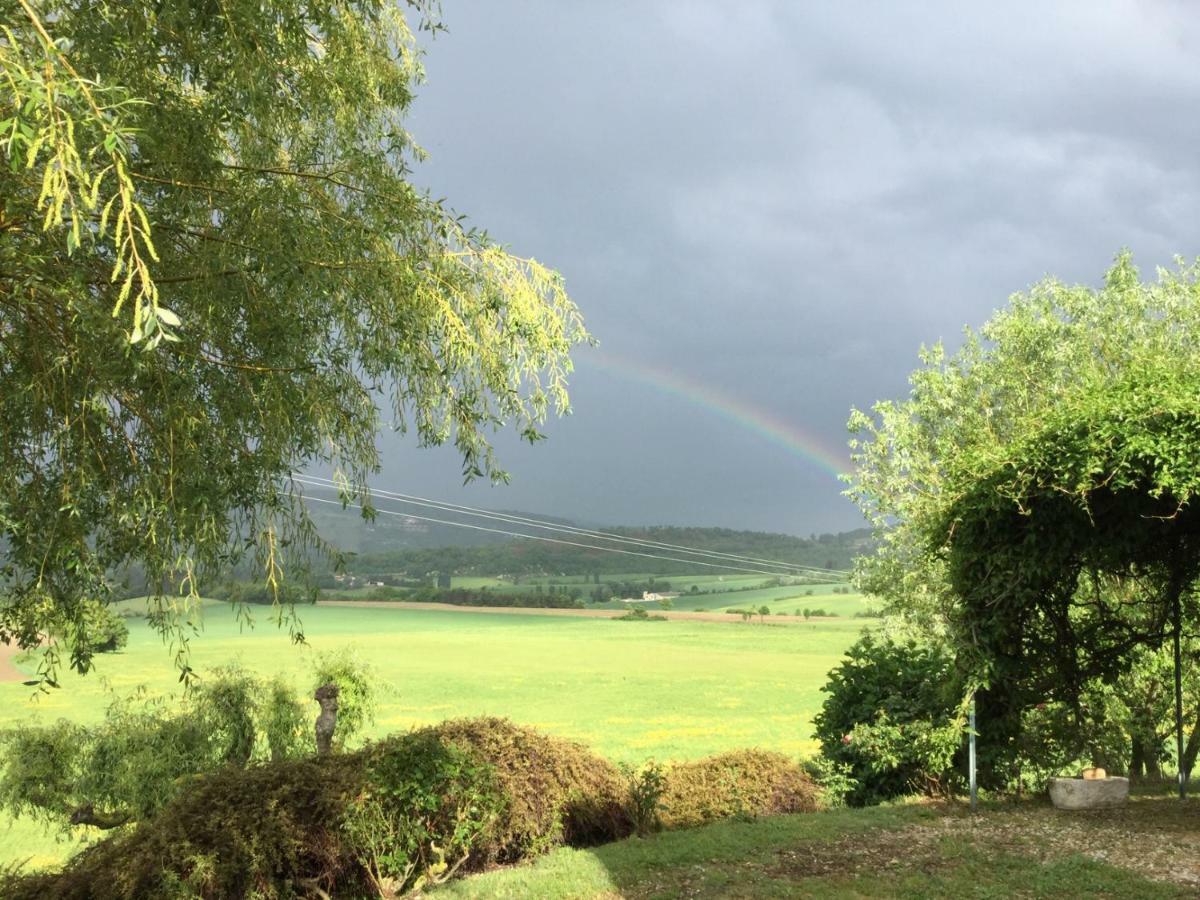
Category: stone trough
<point>1089,793</point>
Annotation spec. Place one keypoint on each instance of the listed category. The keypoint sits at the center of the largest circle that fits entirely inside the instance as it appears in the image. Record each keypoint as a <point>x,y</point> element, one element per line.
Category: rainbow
<point>753,419</point>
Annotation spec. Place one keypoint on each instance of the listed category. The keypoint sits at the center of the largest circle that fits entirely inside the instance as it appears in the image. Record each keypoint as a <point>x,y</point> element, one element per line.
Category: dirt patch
<point>671,615</point>
<point>8,668</point>
<point>909,849</point>
<point>1158,839</point>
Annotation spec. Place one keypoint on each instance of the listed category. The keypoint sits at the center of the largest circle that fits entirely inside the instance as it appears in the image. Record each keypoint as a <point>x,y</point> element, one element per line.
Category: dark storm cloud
<point>783,200</point>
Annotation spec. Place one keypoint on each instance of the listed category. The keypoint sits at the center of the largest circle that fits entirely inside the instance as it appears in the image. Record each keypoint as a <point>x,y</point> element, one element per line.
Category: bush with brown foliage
<point>484,788</point>
<point>559,791</point>
<point>267,831</point>
<point>738,784</point>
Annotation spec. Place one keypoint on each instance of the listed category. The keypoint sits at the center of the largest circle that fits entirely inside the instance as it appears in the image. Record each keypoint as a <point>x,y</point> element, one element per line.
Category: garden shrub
<point>646,786</point>
<point>393,816</point>
<point>559,792</point>
<point>427,807</point>
<point>108,630</point>
<point>267,831</point>
<point>893,716</point>
<point>833,780</point>
<point>130,764</point>
<point>741,784</point>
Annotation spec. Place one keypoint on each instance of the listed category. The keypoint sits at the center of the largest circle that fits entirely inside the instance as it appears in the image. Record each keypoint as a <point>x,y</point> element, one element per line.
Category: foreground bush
<point>559,792</point>
<point>129,765</point>
<point>402,814</point>
<point>743,784</point>
<point>270,831</point>
<point>893,719</point>
<point>394,816</point>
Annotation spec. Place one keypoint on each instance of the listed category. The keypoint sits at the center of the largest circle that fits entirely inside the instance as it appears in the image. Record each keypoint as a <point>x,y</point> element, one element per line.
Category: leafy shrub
<point>99,630</point>
<point>559,792</point>
<point>646,788</point>
<point>133,762</point>
<point>639,614</point>
<point>108,630</point>
<point>427,805</point>
<point>832,778</point>
<point>394,816</point>
<point>743,784</point>
<point>268,831</point>
<point>893,716</point>
<point>284,722</point>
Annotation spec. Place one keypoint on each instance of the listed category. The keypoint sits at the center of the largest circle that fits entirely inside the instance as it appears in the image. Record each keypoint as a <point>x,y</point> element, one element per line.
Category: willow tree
<point>215,271</point>
<point>1036,495</point>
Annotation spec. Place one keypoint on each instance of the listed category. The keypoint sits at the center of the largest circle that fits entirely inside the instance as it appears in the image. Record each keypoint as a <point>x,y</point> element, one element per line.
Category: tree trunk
<point>1192,750</point>
<point>87,815</point>
<point>1137,761</point>
<point>1153,766</point>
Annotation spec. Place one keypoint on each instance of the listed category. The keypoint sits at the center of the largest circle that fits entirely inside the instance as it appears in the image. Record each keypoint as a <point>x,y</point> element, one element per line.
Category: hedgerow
<point>742,784</point>
<point>394,816</point>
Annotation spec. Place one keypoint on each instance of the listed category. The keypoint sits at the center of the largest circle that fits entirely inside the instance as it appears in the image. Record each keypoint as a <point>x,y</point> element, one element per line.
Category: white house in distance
<point>648,597</point>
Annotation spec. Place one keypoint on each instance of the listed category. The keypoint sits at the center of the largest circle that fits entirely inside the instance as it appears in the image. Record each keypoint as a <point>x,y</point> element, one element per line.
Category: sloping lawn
<point>1151,849</point>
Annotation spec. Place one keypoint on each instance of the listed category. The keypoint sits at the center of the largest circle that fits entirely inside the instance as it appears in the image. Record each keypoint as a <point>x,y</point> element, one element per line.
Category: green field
<point>779,599</point>
<point>631,690</point>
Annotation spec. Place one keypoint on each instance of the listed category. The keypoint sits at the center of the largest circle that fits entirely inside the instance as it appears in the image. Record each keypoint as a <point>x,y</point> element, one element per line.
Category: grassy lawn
<point>913,852</point>
<point>631,690</point>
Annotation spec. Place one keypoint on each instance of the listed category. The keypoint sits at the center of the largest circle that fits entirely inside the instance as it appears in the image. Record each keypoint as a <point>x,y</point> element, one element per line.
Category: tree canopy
<point>1036,495</point>
<point>214,271</point>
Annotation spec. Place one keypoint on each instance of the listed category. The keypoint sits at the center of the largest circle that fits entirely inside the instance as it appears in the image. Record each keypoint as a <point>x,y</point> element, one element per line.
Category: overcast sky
<point>775,204</point>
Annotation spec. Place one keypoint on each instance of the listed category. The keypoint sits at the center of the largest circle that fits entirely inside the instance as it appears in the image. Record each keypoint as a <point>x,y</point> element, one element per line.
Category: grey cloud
<point>783,201</point>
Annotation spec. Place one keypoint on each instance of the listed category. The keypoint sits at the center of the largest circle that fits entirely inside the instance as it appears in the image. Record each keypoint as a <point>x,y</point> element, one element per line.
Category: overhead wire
<point>561,528</point>
<point>539,537</point>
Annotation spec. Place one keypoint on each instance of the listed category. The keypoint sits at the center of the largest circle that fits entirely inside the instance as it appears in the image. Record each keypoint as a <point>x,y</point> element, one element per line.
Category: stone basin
<point>1089,793</point>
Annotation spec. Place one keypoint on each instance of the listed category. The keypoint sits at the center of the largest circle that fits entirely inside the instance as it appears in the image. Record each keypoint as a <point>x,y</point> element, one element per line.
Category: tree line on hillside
<point>832,551</point>
<point>482,597</point>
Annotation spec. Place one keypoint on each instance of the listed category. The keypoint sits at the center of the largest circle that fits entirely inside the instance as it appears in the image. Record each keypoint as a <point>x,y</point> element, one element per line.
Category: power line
<point>538,537</point>
<point>444,506</point>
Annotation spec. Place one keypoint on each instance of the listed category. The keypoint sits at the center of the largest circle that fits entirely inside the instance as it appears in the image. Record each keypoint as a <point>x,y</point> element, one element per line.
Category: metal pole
<point>1179,702</point>
<point>971,753</point>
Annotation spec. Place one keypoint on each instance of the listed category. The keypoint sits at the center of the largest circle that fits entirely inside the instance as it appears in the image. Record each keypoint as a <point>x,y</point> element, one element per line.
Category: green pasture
<point>785,599</point>
<point>681,583</point>
<point>631,690</point>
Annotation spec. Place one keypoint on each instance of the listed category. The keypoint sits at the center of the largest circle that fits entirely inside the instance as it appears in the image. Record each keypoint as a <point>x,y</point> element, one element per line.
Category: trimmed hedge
<point>739,784</point>
<point>267,831</point>
<point>398,814</point>
<point>401,814</point>
<point>559,792</point>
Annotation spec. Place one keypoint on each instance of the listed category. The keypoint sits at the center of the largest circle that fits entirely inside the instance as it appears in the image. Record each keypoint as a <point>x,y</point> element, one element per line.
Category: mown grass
<point>630,690</point>
<point>913,851</point>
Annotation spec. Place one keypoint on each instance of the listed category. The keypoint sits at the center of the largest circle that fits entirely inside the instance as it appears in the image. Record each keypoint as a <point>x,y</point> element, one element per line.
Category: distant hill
<point>349,531</point>
<point>401,544</point>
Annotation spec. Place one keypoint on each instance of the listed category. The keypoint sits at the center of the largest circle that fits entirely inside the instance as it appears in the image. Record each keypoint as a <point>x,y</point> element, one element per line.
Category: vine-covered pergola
<point>1081,543</point>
